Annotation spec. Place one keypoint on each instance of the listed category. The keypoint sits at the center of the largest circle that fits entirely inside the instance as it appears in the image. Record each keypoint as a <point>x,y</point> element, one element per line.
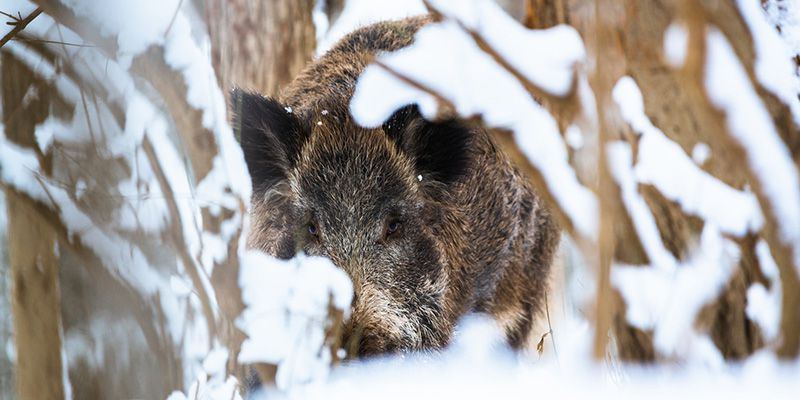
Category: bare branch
<point>176,232</point>
<point>564,108</point>
<point>19,25</point>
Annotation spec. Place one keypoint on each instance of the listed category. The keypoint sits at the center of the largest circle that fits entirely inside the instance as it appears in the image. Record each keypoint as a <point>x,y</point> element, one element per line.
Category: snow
<point>227,184</point>
<point>135,24</point>
<point>751,125</point>
<point>137,27</point>
<point>620,162</point>
<point>17,166</point>
<point>668,298</point>
<point>213,389</point>
<point>676,43</point>
<point>45,132</point>
<point>320,19</point>
<point>287,302</point>
<point>774,66</point>
<point>46,70</point>
<point>574,137</point>
<point>10,349</point>
<point>667,295</point>
<point>557,50</point>
<point>764,305</point>
<point>90,344</point>
<point>215,361</point>
<point>785,14</point>
<point>446,60</point>
<point>700,153</point>
<point>180,285</point>
<point>96,125</point>
<point>663,163</point>
<point>478,367</point>
<point>144,212</point>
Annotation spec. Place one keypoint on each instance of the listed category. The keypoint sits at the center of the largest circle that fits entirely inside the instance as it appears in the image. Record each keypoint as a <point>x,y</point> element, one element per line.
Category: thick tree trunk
<point>260,45</point>
<point>32,250</point>
<point>627,39</point>
<point>35,302</point>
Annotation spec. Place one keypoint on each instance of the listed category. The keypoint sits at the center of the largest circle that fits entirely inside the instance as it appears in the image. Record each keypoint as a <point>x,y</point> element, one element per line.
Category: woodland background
<point>665,135</point>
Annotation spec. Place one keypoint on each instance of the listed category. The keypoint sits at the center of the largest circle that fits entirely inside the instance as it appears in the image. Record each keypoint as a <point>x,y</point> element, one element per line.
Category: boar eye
<point>312,229</point>
<point>392,227</point>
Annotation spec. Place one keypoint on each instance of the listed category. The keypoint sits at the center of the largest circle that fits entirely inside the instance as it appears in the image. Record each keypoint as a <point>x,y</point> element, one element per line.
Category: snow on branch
<point>773,64</point>
<point>661,162</point>
<point>155,104</point>
<point>751,125</point>
<point>289,302</point>
<point>446,61</point>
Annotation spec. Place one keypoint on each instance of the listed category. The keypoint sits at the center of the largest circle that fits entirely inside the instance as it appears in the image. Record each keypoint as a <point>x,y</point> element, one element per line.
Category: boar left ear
<point>440,150</point>
<point>271,137</point>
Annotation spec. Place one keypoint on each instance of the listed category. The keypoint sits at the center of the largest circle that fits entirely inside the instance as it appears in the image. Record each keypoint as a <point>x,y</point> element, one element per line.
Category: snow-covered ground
<point>479,366</point>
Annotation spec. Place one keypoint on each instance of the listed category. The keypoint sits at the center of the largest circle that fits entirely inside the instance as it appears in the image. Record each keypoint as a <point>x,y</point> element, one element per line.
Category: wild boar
<point>428,218</point>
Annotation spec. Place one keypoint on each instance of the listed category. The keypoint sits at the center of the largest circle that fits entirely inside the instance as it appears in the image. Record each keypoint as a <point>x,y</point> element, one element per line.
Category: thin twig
<point>549,325</point>
<point>174,16</point>
<point>19,25</point>
<point>51,42</point>
<point>13,17</point>
<point>176,231</point>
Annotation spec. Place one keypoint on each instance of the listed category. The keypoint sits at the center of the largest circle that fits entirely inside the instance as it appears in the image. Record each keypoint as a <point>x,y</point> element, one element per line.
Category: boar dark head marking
<point>470,235</point>
<point>441,150</point>
<point>271,137</point>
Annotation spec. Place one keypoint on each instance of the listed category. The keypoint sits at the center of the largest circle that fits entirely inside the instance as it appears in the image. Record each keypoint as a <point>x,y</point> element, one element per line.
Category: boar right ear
<point>270,135</point>
<point>440,150</point>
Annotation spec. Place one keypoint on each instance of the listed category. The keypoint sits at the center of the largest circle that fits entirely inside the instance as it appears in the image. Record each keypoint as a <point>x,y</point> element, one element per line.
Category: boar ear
<point>270,135</point>
<point>440,150</point>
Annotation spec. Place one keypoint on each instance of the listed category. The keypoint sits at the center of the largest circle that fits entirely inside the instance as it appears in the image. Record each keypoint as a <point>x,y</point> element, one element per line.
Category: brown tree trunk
<point>260,45</point>
<point>35,302</point>
<point>32,252</point>
<point>541,14</point>
<point>627,38</point>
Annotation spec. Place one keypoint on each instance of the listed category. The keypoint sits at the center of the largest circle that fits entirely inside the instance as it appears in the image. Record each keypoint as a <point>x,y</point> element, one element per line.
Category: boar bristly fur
<point>429,219</point>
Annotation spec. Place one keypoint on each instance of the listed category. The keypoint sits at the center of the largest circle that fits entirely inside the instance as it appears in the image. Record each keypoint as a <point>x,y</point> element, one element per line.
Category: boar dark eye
<point>312,229</point>
<point>392,227</point>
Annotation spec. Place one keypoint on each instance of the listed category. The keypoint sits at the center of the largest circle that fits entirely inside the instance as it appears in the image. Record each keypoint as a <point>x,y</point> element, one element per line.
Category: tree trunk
<point>32,250</point>
<point>627,38</point>
<point>260,45</point>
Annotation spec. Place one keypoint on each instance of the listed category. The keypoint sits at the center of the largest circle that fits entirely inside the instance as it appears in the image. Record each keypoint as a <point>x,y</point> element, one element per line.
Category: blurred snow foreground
<point>476,61</point>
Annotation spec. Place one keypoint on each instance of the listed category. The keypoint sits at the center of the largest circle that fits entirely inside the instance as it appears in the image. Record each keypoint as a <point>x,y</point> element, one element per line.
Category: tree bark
<point>675,99</point>
<point>35,302</point>
<point>260,45</point>
<point>32,251</point>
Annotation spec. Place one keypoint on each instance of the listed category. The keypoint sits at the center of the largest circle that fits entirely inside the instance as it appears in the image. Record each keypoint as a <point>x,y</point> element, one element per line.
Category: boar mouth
<point>360,342</point>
